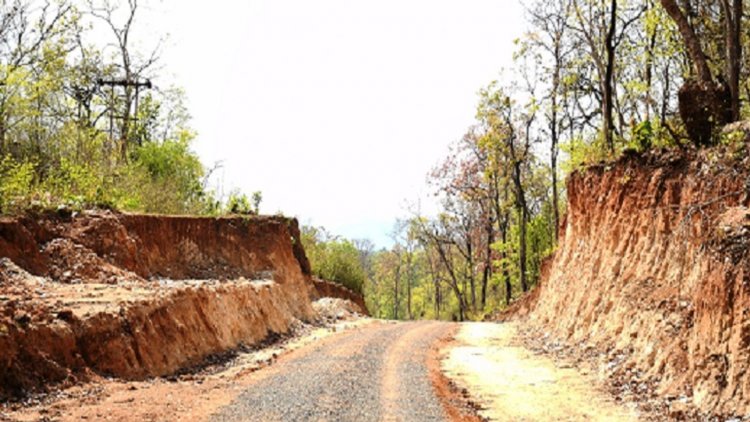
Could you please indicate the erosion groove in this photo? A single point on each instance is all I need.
(136, 296)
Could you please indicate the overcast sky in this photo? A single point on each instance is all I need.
(335, 109)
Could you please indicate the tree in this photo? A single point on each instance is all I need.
(333, 259)
(496, 111)
(733, 13)
(131, 68)
(437, 235)
(603, 29)
(707, 102)
(25, 28)
(551, 20)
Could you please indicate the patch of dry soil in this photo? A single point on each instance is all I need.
(511, 383)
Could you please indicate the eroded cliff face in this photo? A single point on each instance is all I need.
(135, 296)
(653, 269)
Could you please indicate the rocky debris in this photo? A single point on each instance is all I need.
(73, 263)
(334, 309)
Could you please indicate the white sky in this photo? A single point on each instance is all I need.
(335, 109)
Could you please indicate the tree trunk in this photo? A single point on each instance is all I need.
(408, 285)
(522, 210)
(487, 262)
(704, 104)
(733, 28)
(438, 298)
(504, 258)
(4, 150)
(665, 96)
(607, 87)
(692, 43)
(395, 289)
(650, 68)
(125, 127)
(454, 280)
(554, 149)
(472, 278)
(434, 274)
(522, 249)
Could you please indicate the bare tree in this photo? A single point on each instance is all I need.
(603, 29)
(551, 19)
(120, 20)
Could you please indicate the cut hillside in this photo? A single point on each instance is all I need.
(136, 296)
(652, 273)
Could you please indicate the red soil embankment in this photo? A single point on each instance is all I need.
(653, 270)
(325, 288)
(97, 292)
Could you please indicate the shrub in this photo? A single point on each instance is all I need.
(333, 259)
(171, 177)
(16, 184)
(238, 204)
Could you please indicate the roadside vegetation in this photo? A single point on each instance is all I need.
(334, 259)
(88, 120)
(591, 79)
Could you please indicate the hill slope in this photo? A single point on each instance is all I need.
(652, 270)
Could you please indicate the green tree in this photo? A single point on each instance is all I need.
(334, 259)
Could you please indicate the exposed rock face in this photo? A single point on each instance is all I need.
(97, 292)
(653, 268)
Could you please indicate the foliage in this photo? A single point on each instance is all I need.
(239, 203)
(581, 153)
(735, 143)
(333, 259)
(63, 138)
(16, 182)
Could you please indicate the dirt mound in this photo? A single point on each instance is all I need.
(73, 263)
(653, 272)
(334, 309)
(136, 296)
(329, 289)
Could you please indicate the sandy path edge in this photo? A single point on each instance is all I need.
(511, 383)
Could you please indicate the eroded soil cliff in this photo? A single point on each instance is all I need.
(652, 272)
(135, 296)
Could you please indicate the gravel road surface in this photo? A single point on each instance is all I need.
(374, 373)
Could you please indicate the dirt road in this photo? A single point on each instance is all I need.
(371, 374)
(513, 384)
(361, 371)
(381, 373)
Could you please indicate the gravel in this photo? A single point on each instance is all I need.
(345, 379)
